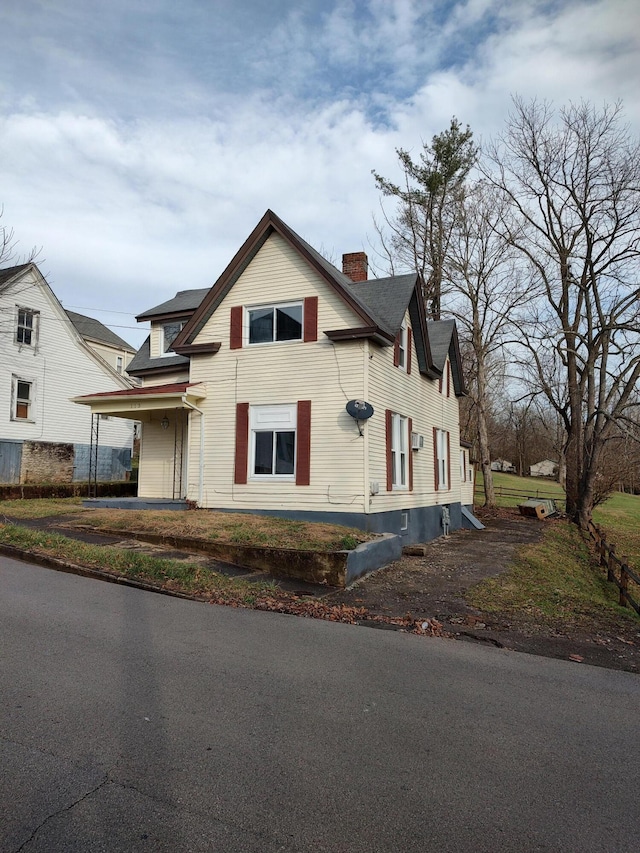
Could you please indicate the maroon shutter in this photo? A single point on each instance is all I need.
(409, 340)
(410, 456)
(440, 385)
(448, 379)
(448, 460)
(435, 459)
(235, 337)
(396, 352)
(310, 319)
(388, 437)
(303, 442)
(464, 466)
(242, 442)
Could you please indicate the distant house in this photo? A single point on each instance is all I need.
(109, 346)
(296, 389)
(44, 362)
(546, 468)
(503, 465)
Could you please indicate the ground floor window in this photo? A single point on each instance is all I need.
(22, 399)
(441, 453)
(273, 441)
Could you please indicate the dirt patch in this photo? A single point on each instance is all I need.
(434, 585)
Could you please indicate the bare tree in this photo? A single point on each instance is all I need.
(488, 289)
(417, 235)
(572, 180)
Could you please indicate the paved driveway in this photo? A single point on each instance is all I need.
(136, 722)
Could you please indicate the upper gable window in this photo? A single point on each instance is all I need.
(170, 332)
(271, 323)
(27, 327)
(402, 348)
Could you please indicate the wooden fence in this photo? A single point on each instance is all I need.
(610, 561)
(530, 494)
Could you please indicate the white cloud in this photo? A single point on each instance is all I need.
(131, 206)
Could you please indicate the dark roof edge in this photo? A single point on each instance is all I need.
(268, 224)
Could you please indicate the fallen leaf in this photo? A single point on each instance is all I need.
(576, 658)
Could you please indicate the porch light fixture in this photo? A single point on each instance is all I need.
(164, 423)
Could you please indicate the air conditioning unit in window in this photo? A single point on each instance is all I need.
(417, 441)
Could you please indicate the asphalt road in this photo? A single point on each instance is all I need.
(137, 722)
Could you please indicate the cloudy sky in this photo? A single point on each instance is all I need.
(142, 140)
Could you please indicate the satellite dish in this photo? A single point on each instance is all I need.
(359, 410)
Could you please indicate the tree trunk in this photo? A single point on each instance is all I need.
(483, 432)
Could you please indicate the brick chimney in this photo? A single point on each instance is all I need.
(356, 266)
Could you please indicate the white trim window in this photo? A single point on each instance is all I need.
(22, 399)
(463, 466)
(119, 364)
(267, 324)
(273, 442)
(442, 459)
(402, 347)
(27, 323)
(168, 333)
(399, 444)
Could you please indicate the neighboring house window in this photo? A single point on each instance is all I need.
(27, 327)
(463, 466)
(22, 400)
(270, 323)
(119, 363)
(441, 458)
(170, 332)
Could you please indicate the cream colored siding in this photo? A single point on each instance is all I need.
(416, 397)
(282, 373)
(156, 477)
(111, 354)
(166, 378)
(59, 366)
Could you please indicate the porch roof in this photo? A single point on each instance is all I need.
(138, 403)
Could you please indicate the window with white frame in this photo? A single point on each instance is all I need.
(21, 399)
(273, 442)
(402, 348)
(27, 322)
(442, 459)
(119, 363)
(399, 444)
(463, 466)
(169, 333)
(271, 323)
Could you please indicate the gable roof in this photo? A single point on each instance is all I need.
(10, 272)
(88, 327)
(268, 225)
(444, 342)
(142, 362)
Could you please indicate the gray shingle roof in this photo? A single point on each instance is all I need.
(386, 299)
(97, 331)
(440, 333)
(142, 361)
(184, 300)
(8, 272)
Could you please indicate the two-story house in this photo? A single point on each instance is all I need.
(44, 362)
(295, 389)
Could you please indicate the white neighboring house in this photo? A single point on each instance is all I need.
(503, 465)
(546, 468)
(44, 362)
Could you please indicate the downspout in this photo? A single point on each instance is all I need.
(201, 461)
(366, 495)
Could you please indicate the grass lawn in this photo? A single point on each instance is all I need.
(557, 578)
(238, 528)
